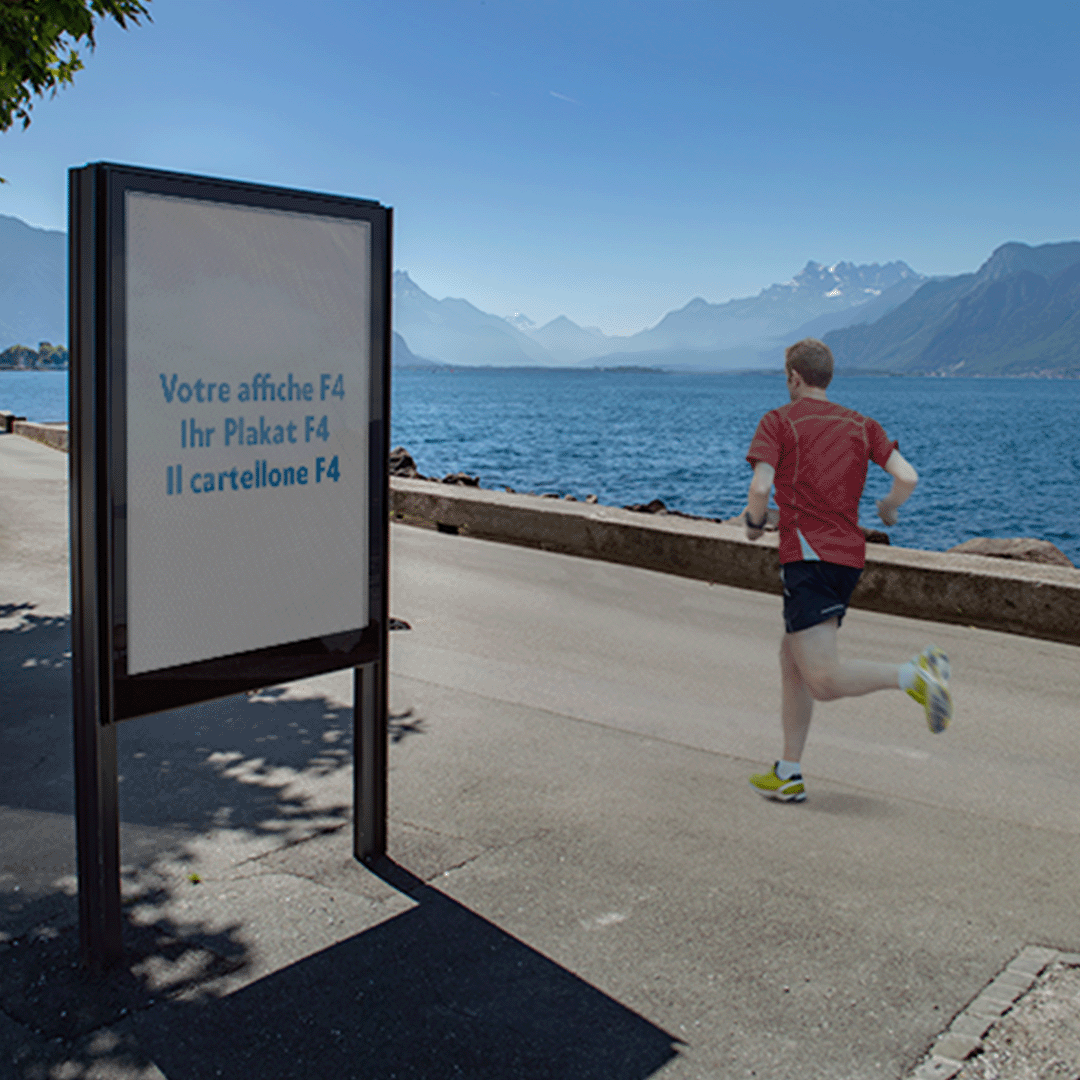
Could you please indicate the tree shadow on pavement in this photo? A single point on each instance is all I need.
(433, 991)
(267, 769)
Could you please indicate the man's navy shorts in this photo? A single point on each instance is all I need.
(815, 591)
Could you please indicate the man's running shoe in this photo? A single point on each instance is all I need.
(772, 787)
(935, 661)
(931, 688)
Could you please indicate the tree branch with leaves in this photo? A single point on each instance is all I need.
(37, 46)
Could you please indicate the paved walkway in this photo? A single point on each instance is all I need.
(582, 884)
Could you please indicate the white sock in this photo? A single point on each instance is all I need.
(907, 675)
(787, 769)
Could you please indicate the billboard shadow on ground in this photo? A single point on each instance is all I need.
(436, 991)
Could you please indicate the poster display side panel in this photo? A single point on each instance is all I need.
(247, 386)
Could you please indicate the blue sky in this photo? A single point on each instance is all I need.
(607, 161)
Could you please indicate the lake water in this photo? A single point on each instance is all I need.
(996, 457)
(37, 395)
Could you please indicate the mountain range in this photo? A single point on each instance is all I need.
(456, 332)
(746, 332)
(1018, 314)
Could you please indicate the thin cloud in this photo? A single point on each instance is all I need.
(562, 97)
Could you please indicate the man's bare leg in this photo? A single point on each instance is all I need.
(797, 703)
(811, 670)
(826, 676)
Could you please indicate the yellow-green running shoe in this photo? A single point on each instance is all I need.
(935, 661)
(772, 787)
(931, 688)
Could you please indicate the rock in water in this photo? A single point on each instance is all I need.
(1023, 548)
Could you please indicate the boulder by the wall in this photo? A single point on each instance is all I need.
(1023, 548)
(655, 507)
(402, 464)
(875, 536)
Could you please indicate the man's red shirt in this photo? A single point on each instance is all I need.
(820, 451)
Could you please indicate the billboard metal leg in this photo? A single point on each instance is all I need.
(369, 762)
(97, 828)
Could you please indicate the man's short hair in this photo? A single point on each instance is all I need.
(812, 359)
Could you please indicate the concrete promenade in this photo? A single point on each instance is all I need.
(581, 882)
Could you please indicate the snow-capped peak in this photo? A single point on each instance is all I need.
(521, 322)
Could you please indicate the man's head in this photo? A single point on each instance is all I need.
(812, 361)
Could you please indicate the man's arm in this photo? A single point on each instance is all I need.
(904, 480)
(757, 501)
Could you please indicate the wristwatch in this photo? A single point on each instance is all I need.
(761, 525)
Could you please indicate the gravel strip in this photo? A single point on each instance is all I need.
(1024, 1026)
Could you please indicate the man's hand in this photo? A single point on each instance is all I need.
(752, 531)
(889, 514)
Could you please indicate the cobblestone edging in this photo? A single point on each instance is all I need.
(965, 1035)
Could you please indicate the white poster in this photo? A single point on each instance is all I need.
(248, 357)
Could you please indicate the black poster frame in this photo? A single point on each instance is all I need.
(104, 693)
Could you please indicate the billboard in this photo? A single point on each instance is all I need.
(229, 433)
(247, 398)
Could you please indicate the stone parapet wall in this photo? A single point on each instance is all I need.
(995, 594)
(54, 435)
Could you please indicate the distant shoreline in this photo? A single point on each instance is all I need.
(36, 370)
(762, 372)
(631, 369)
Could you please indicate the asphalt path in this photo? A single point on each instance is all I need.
(581, 882)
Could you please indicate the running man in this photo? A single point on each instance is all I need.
(817, 453)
